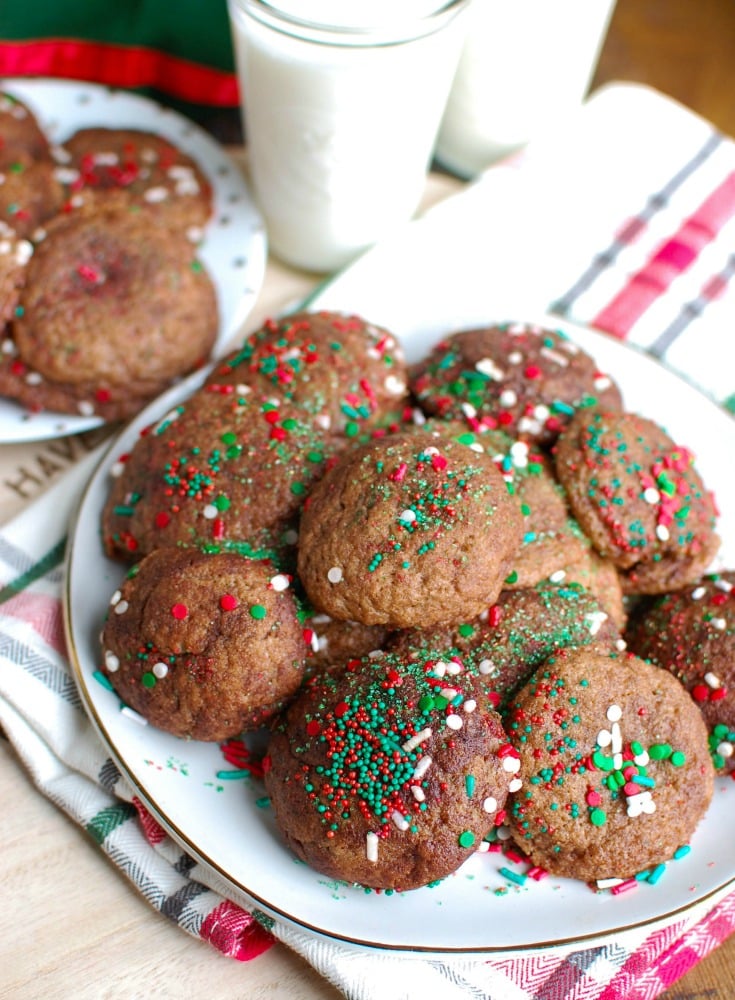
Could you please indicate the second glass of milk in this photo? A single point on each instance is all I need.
(525, 65)
(342, 101)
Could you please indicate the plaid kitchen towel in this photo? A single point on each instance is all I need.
(628, 222)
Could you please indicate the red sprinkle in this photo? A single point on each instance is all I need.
(228, 602)
(161, 519)
(180, 611)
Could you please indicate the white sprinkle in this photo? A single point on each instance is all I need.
(527, 425)
(617, 761)
(596, 620)
(490, 804)
(723, 585)
(160, 669)
(121, 607)
(415, 741)
(662, 533)
(483, 847)
(476, 447)
(8, 347)
(194, 234)
(541, 412)
(111, 661)
(602, 382)
(323, 420)
(642, 758)
(713, 680)
(210, 512)
(486, 666)
(558, 575)
(117, 469)
(698, 594)
(439, 669)
(608, 883)
(130, 714)
(554, 356)
(454, 722)
(725, 749)
(469, 410)
(617, 739)
(488, 367)
(155, 195)
(394, 386)
(291, 536)
(335, 575)
(418, 417)
(620, 645)
(614, 713)
(651, 495)
(508, 398)
(515, 784)
(399, 820)
(243, 390)
(85, 408)
(511, 764)
(34, 378)
(422, 767)
(515, 357)
(371, 846)
(719, 623)
(454, 667)
(448, 693)
(115, 597)
(604, 738)
(431, 450)
(470, 705)
(280, 582)
(503, 833)
(418, 793)
(408, 516)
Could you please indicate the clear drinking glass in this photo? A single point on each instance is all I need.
(341, 103)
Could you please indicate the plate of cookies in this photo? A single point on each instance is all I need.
(420, 634)
(131, 252)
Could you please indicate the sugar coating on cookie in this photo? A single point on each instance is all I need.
(203, 645)
(691, 632)
(408, 530)
(639, 498)
(387, 775)
(520, 377)
(617, 771)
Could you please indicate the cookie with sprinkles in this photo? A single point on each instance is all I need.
(505, 644)
(15, 252)
(519, 377)
(639, 498)
(203, 646)
(21, 135)
(408, 530)
(334, 642)
(30, 195)
(691, 632)
(220, 469)
(617, 770)
(112, 312)
(348, 373)
(387, 775)
(149, 170)
(583, 565)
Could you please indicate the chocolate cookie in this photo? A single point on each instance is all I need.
(112, 311)
(387, 776)
(520, 377)
(617, 772)
(691, 632)
(21, 136)
(217, 470)
(639, 498)
(151, 171)
(502, 647)
(203, 646)
(349, 374)
(408, 530)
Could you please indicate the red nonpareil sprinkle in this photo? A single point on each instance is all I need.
(180, 611)
(161, 519)
(218, 529)
(533, 371)
(88, 273)
(313, 728)
(341, 709)
(494, 615)
(398, 474)
(228, 602)
(102, 395)
(17, 367)
(700, 692)
(438, 462)
(505, 418)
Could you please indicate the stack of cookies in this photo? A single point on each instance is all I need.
(103, 300)
(479, 551)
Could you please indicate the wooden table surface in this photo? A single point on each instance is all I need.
(70, 925)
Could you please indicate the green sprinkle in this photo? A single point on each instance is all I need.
(678, 758)
(469, 784)
(512, 578)
(232, 775)
(257, 611)
(513, 876)
(598, 817)
(148, 679)
(103, 680)
(466, 838)
(659, 751)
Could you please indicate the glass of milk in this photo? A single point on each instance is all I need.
(524, 65)
(341, 101)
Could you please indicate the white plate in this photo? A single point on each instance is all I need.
(234, 244)
(477, 910)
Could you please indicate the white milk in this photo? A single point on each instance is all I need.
(525, 63)
(340, 130)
